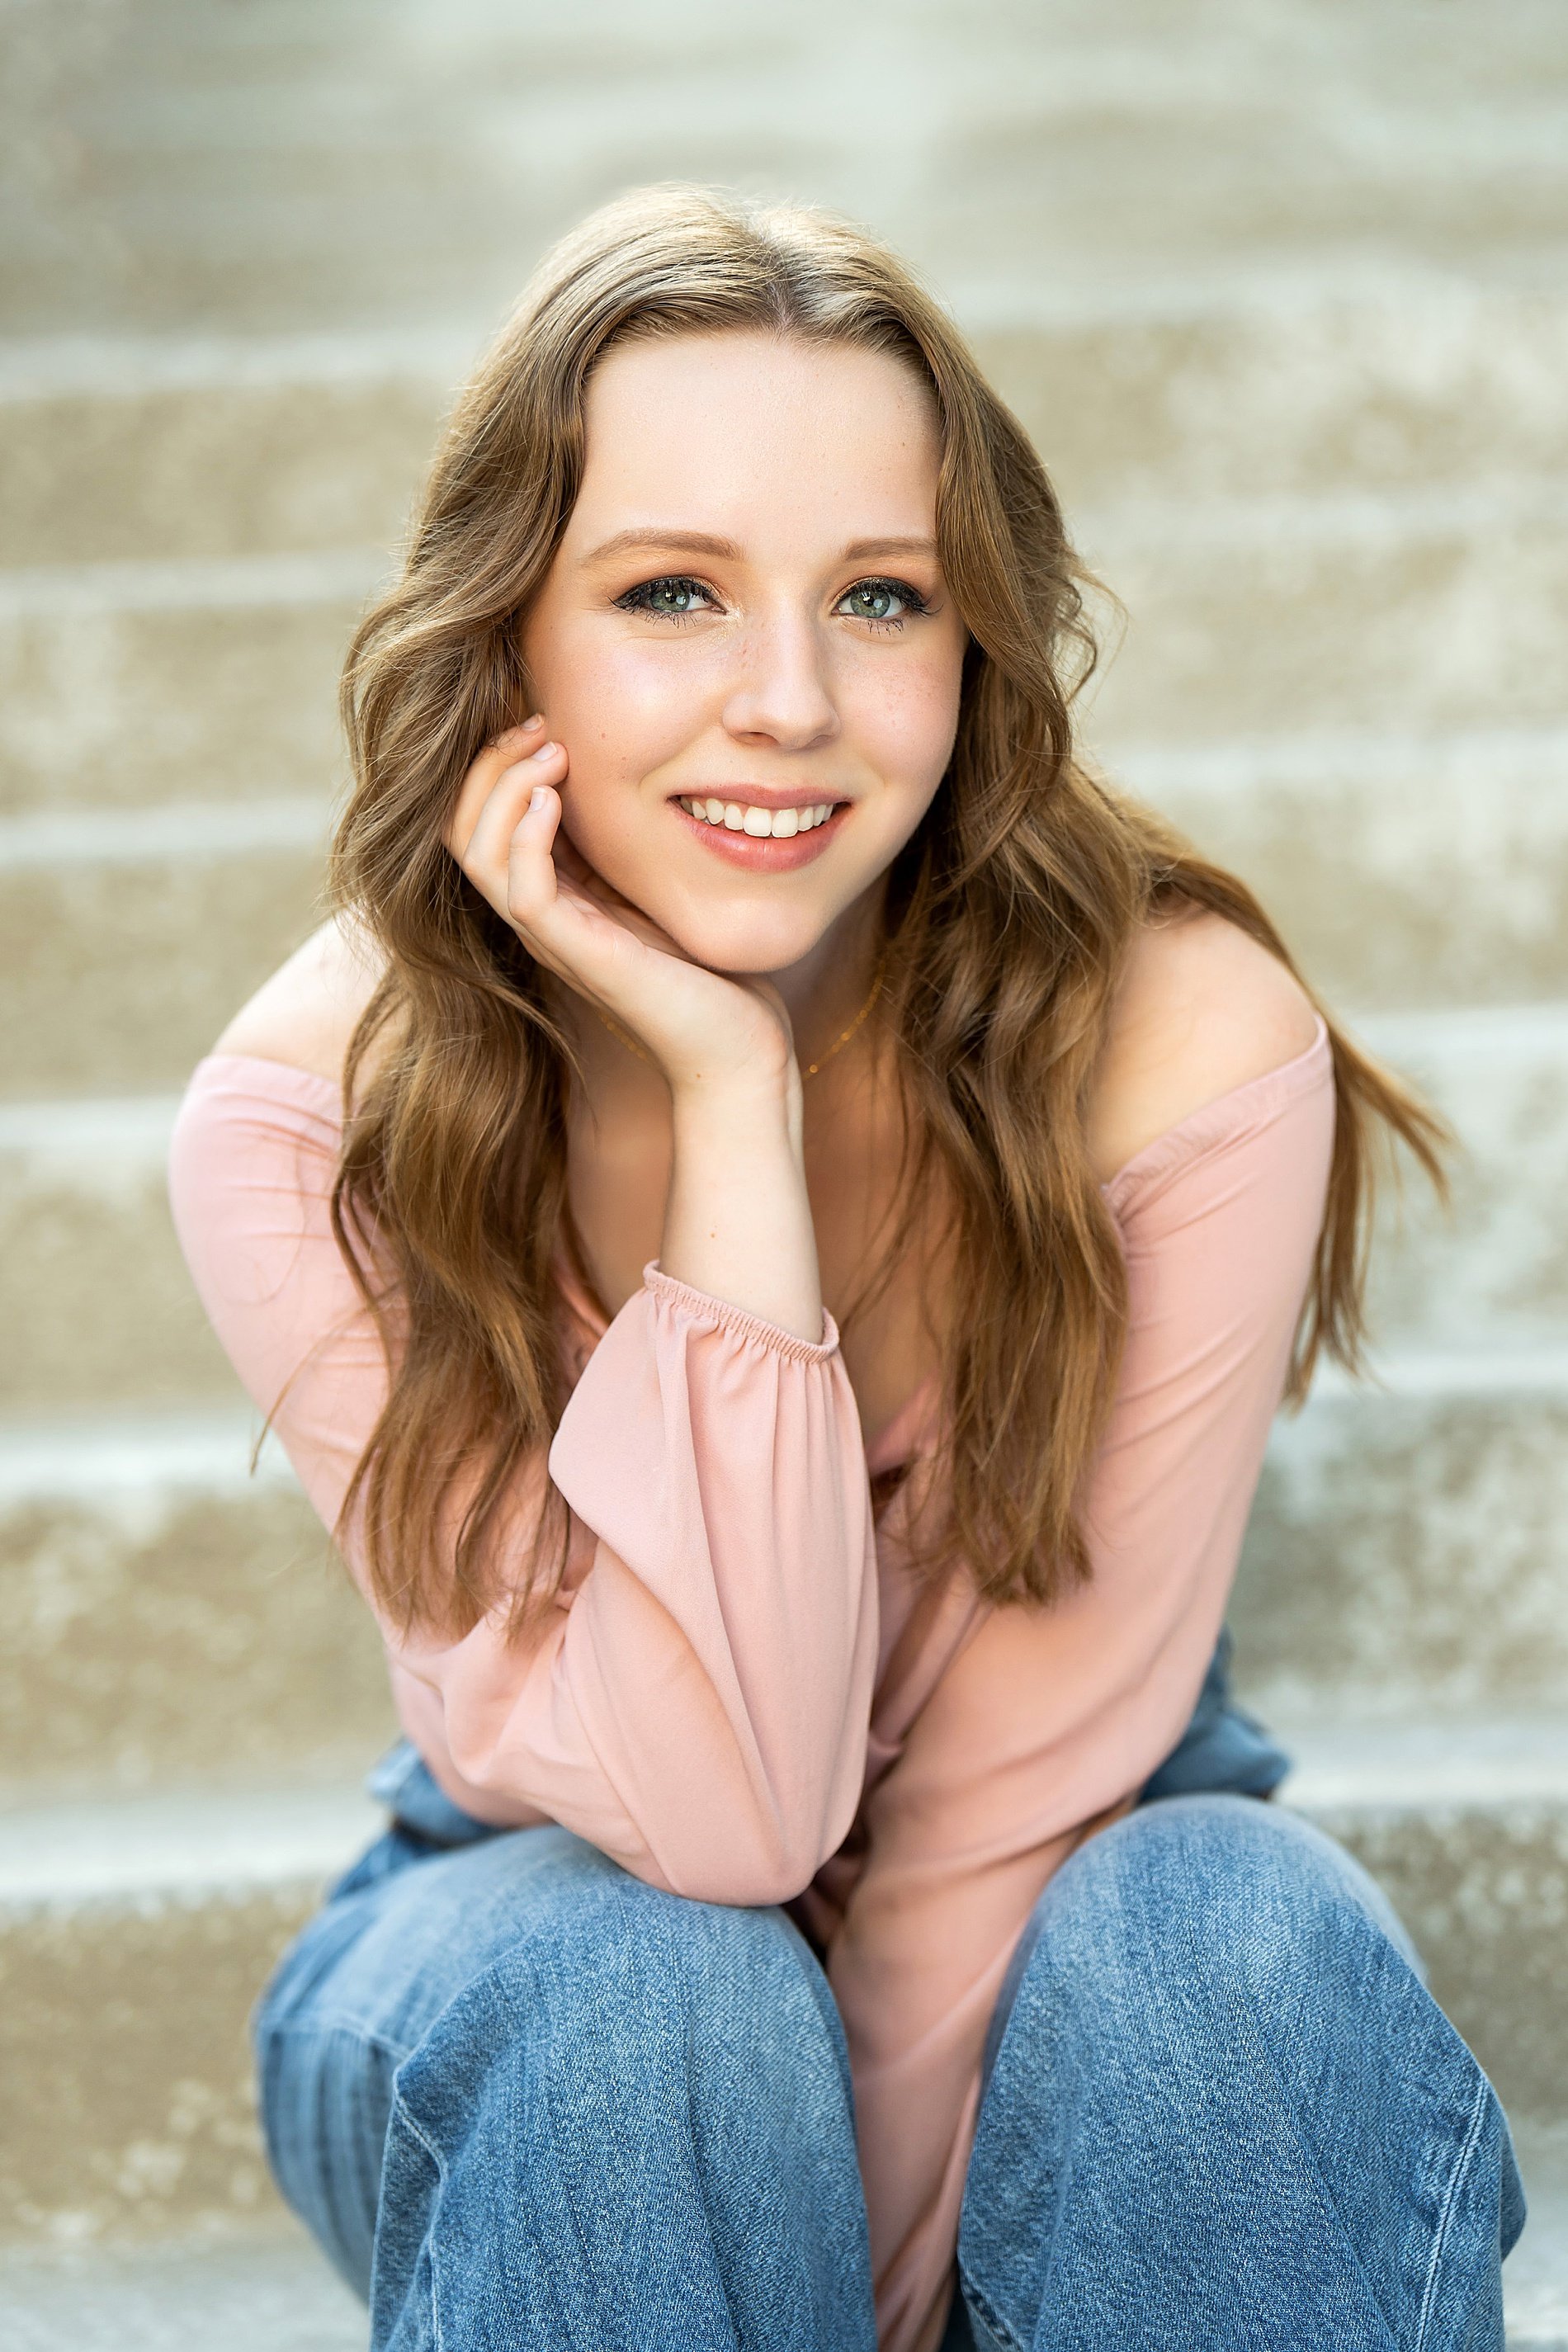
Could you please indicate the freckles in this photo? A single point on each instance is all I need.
(904, 719)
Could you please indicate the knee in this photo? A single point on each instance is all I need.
(1206, 1904)
(599, 1982)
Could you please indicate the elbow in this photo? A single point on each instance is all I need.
(756, 1860)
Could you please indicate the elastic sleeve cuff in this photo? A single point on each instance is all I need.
(703, 1307)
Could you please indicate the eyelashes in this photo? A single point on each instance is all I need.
(676, 597)
(662, 598)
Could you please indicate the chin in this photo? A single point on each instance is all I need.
(746, 937)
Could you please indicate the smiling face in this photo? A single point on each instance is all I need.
(744, 640)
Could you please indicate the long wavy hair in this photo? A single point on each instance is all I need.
(1009, 916)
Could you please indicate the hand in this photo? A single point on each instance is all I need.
(698, 1027)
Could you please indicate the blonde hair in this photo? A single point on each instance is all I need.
(1010, 913)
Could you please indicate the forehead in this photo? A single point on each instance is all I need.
(730, 432)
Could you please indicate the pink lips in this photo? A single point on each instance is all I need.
(760, 853)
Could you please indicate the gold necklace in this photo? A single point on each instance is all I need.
(811, 1068)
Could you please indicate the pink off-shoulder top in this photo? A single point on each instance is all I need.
(743, 1695)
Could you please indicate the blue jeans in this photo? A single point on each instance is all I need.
(525, 2100)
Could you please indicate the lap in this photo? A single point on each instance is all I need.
(425, 1966)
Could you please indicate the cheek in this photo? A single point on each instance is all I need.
(904, 715)
(621, 708)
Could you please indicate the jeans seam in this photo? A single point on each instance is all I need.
(401, 2111)
(981, 2304)
(1450, 2200)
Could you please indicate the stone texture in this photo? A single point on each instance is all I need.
(120, 974)
(1483, 1890)
(1259, 618)
(93, 1291)
(173, 1621)
(268, 2290)
(1409, 1551)
(1401, 870)
(134, 455)
(114, 450)
(171, 164)
(156, 684)
(129, 2105)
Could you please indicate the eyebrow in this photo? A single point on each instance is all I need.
(864, 551)
(703, 542)
(686, 542)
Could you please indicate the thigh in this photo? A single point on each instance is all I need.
(375, 2000)
(396, 1941)
(1221, 2107)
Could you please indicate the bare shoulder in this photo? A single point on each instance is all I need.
(1201, 1008)
(306, 1013)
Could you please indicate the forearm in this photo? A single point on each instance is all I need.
(738, 1221)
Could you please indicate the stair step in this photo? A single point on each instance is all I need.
(272, 2291)
(119, 449)
(130, 936)
(94, 1295)
(1251, 618)
(125, 449)
(1439, 609)
(1535, 2276)
(135, 685)
(1408, 1544)
(99, 1310)
(346, 165)
(134, 1940)
(269, 2289)
(165, 1914)
(171, 1618)
(1466, 1828)
(1361, 847)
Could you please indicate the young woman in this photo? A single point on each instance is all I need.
(774, 1225)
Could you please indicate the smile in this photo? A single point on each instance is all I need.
(762, 823)
(761, 840)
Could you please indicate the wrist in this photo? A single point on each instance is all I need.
(762, 1084)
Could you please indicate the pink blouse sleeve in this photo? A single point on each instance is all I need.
(698, 1707)
(1045, 1723)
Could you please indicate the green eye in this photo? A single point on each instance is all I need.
(671, 598)
(889, 602)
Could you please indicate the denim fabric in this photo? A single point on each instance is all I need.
(523, 2099)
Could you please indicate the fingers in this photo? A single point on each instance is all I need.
(484, 857)
(517, 744)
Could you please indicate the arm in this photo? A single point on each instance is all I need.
(1046, 1724)
(697, 1707)
(738, 1219)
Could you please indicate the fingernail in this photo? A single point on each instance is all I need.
(537, 720)
(536, 800)
(543, 752)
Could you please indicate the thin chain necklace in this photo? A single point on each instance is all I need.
(811, 1068)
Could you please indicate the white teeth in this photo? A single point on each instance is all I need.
(739, 816)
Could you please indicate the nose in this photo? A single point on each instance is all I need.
(781, 696)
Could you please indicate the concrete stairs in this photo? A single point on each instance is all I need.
(1281, 293)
